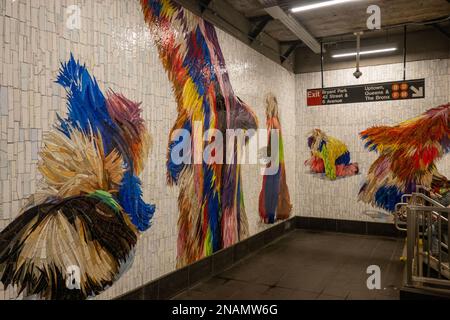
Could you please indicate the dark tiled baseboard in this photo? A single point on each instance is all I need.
(347, 226)
(171, 284)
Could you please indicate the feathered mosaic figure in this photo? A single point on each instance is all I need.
(274, 200)
(211, 203)
(90, 211)
(330, 156)
(407, 156)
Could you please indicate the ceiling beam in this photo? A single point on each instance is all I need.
(204, 4)
(269, 3)
(258, 19)
(227, 18)
(259, 28)
(296, 28)
(289, 43)
(289, 51)
(441, 30)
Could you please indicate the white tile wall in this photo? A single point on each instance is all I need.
(117, 48)
(338, 199)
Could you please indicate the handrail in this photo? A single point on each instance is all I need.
(397, 208)
(421, 195)
(429, 209)
(405, 203)
(425, 242)
(404, 197)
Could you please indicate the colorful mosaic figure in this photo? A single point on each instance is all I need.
(274, 200)
(329, 156)
(407, 156)
(211, 201)
(77, 234)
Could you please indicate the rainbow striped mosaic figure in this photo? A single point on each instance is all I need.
(211, 202)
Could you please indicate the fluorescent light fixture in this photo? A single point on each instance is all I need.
(319, 5)
(353, 54)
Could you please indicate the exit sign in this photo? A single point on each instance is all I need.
(375, 92)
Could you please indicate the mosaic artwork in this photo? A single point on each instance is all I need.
(211, 203)
(407, 157)
(329, 156)
(84, 222)
(274, 200)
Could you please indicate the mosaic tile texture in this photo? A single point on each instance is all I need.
(80, 229)
(211, 200)
(117, 47)
(338, 199)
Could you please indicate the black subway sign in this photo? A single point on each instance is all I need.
(375, 92)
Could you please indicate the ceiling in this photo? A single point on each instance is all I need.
(333, 26)
(344, 19)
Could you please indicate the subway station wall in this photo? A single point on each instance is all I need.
(118, 49)
(338, 199)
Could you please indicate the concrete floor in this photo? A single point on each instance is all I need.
(306, 265)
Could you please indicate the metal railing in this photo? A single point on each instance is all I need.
(428, 233)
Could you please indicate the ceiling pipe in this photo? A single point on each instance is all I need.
(405, 31)
(321, 65)
(358, 73)
(342, 36)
